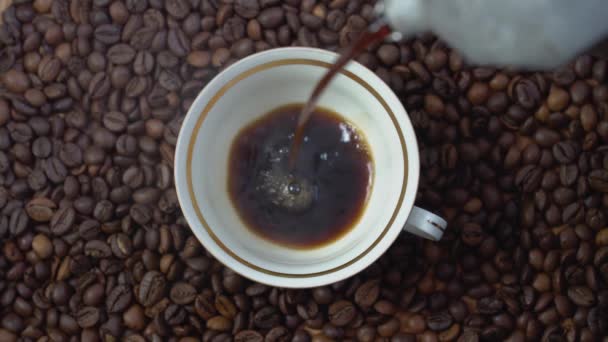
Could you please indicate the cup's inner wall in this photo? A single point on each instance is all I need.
(255, 96)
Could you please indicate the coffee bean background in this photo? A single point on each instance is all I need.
(94, 247)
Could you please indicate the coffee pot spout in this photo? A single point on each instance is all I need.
(534, 34)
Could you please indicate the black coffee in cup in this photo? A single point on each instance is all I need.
(316, 200)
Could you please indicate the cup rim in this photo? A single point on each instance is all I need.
(402, 208)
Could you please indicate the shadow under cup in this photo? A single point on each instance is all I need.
(247, 94)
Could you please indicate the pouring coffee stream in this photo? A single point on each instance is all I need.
(367, 38)
(289, 190)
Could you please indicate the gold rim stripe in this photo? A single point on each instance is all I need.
(221, 93)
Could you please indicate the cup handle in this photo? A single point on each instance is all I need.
(425, 224)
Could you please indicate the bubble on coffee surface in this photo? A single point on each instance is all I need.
(284, 189)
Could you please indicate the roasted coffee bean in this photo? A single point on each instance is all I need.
(204, 306)
(119, 299)
(140, 213)
(220, 57)
(199, 59)
(182, 293)
(341, 313)
(49, 68)
(234, 29)
(97, 249)
(71, 155)
(93, 295)
(115, 121)
(568, 174)
(598, 180)
(225, 307)
(143, 63)
(527, 93)
(121, 54)
(565, 152)
(367, 294)
(62, 220)
(528, 178)
(558, 99)
(20, 132)
(178, 42)
(169, 80)
(174, 314)
(471, 234)
(87, 317)
(266, 318)
(142, 38)
(278, 334)
(108, 33)
(41, 148)
(248, 336)
(581, 296)
(439, 321)
(18, 221)
(546, 137)
(40, 209)
(151, 288)
(16, 81)
(271, 17)
(136, 87)
(134, 317)
(247, 8)
(490, 305)
(177, 8)
(219, 323)
(5, 163)
(99, 86)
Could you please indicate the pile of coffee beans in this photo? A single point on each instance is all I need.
(94, 247)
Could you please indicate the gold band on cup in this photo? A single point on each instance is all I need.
(216, 98)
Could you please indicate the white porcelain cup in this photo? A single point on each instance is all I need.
(253, 87)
